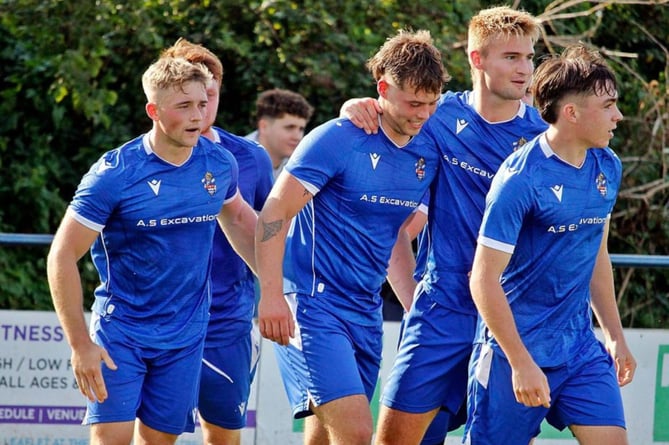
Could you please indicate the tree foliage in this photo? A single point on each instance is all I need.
(70, 89)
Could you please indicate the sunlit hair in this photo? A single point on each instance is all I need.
(410, 59)
(196, 53)
(577, 71)
(172, 73)
(500, 22)
(277, 102)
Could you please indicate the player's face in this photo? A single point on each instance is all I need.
(281, 135)
(507, 66)
(599, 116)
(181, 113)
(405, 111)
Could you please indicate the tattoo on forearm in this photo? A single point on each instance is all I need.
(306, 192)
(270, 229)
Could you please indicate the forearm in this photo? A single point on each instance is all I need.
(275, 318)
(287, 198)
(605, 308)
(495, 311)
(401, 267)
(240, 231)
(493, 306)
(270, 238)
(67, 296)
(603, 300)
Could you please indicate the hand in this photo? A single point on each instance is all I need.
(625, 362)
(88, 371)
(363, 112)
(275, 319)
(530, 386)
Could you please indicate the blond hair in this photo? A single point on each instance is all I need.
(196, 53)
(500, 22)
(172, 73)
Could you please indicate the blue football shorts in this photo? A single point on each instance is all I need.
(584, 391)
(329, 358)
(158, 386)
(227, 373)
(431, 367)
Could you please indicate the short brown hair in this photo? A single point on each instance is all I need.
(276, 102)
(577, 71)
(410, 59)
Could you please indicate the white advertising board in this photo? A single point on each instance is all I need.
(39, 404)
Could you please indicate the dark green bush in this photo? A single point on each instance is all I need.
(70, 89)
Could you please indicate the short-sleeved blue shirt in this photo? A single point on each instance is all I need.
(156, 222)
(550, 215)
(233, 288)
(364, 187)
(472, 149)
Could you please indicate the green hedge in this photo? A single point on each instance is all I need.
(70, 90)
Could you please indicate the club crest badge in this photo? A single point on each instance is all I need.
(209, 183)
(519, 143)
(601, 184)
(420, 169)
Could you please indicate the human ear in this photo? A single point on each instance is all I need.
(570, 111)
(152, 111)
(475, 59)
(382, 87)
(262, 125)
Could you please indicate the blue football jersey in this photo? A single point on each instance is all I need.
(233, 285)
(472, 149)
(364, 188)
(156, 223)
(550, 215)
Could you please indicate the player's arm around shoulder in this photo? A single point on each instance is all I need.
(363, 112)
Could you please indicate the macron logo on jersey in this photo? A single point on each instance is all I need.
(557, 191)
(460, 125)
(155, 186)
(375, 159)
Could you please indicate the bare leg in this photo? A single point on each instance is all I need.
(401, 428)
(314, 432)
(145, 435)
(597, 435)
(112, 433)
(347, 421)
(216, 435)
